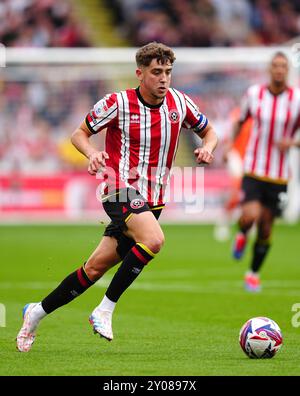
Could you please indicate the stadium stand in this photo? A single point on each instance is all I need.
(40, 23)
(39, 106)
(42, 103)
(44, 118)
(206, 23)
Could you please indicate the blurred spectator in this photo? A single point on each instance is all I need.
(45, 111)
(39, 23)
(37, 119)
(40, 152)
(205, 23)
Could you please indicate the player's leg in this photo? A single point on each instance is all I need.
(260, 249)
(251, 211)
(138, 245)
(262, 243)
(145, 230)
(103, 258)
(274, 200)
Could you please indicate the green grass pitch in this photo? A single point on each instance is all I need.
(181, 317)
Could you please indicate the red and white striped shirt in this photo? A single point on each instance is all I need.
(142, 139)
(275, 117)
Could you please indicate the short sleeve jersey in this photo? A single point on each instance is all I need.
(142, 139)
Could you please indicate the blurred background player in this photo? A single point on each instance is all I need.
(275, 111)
(234, 154)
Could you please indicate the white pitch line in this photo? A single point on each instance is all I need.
(214, 287)
(222, 287)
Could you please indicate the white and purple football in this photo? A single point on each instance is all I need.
(260, 338)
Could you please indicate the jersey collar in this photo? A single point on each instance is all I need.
(286, 89)
(137, 90)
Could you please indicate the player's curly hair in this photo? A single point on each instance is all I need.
(154, 50)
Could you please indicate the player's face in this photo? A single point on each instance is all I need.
(154, 80)
(279, 70)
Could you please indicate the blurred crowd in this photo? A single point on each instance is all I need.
(205, 23)
(40, 23)
(36, 123)
(200, 23)
(38, 114)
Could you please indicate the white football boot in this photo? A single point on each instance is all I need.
(27, 334)
(101, 322)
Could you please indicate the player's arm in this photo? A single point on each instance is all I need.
(197, 122)
(237, 127)
(81, 140)
(228, 144)
(244, 115)
(102, 115)
(291, 141)
(287, 143)
(204, 154)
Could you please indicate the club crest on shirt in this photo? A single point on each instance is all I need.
(134, 118)
(137, 203)
(174, 116)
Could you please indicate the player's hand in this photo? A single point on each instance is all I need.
(203, 156)
(284, 144)
(97, 161)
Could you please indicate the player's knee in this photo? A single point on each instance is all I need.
(248, 219)
(155, 243)
(94, 269)
(92, 273)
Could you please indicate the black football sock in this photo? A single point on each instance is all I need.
(132, 265)
(260, 250)
(71, 287)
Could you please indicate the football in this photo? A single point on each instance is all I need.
(260, 338)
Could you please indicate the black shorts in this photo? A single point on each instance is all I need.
(120, 206)
(270, 195)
